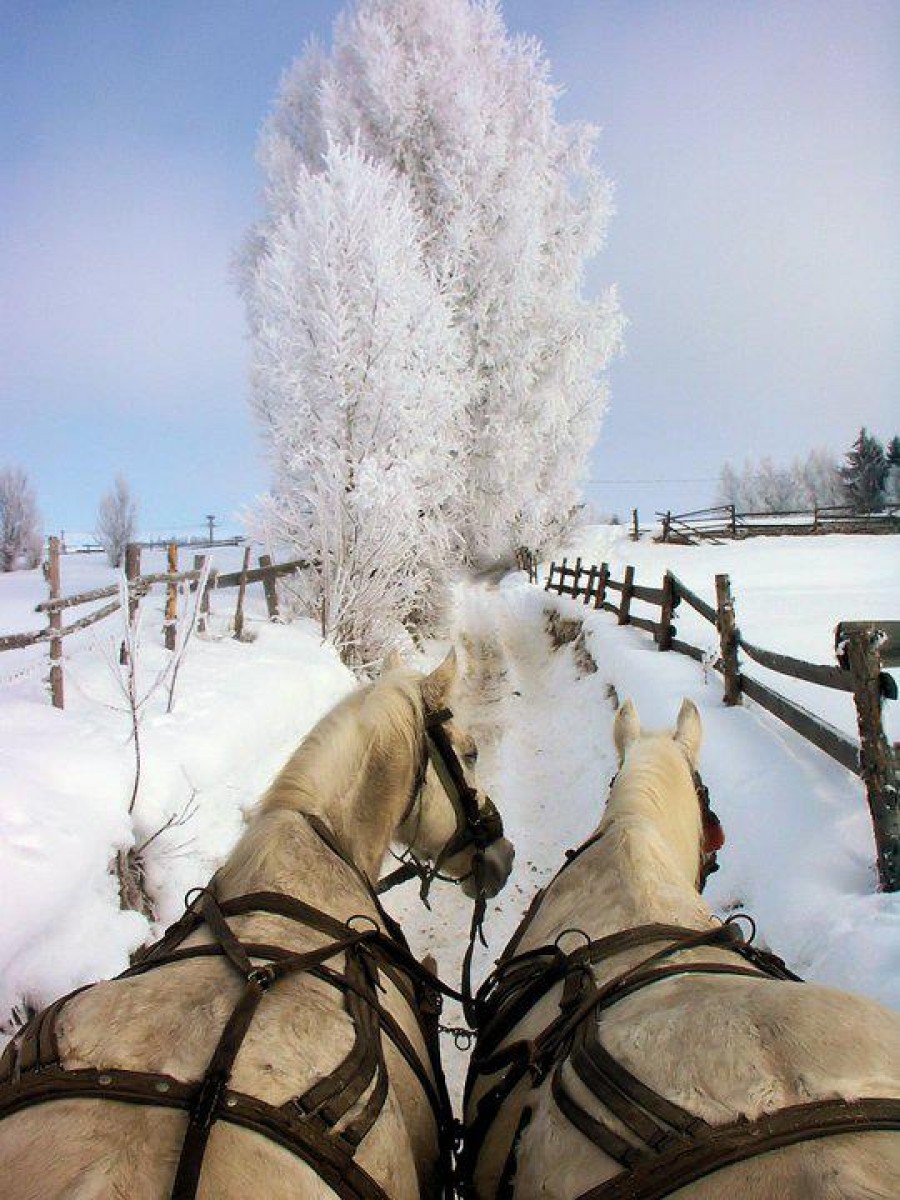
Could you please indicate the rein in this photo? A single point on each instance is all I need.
(475, 827)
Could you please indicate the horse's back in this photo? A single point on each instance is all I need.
(168, 1022)
(722, 1047)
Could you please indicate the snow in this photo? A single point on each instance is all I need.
(798, 855)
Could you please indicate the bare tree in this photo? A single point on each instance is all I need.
(21, 536)
(116, 521)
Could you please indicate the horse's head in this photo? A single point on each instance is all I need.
(451, 824)
(674, 755)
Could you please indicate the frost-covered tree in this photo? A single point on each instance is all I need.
(356, 384)
(820, 480)
(775, 487)
(864, 473)
(765, 487)
(21, 536)
(511, 205)
(730, 489)
(116, 521)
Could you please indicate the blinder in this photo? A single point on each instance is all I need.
(476, 827)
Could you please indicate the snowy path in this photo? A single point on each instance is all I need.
(522, 703)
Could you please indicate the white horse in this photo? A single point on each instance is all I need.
(302, 1016)
(671, 1059)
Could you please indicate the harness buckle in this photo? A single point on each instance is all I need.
(264, 976)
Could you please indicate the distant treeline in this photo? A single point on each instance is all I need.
(866, 481)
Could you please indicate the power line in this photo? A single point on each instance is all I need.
(707, 480)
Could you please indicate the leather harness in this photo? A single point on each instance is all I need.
(659, 1146)
(31, 1072)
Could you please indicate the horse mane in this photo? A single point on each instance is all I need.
(365, 726)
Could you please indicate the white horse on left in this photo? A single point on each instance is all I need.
(273, 1043)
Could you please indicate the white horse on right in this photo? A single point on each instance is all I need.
(632, 1047)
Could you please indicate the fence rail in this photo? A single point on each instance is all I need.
(137, 587)
(863, 648)
(725, 522)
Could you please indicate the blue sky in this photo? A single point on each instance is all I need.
(755, 152)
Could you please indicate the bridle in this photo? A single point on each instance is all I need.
(476, 827)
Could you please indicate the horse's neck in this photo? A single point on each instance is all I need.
(630, 875)
(632, 878)
(359, 810)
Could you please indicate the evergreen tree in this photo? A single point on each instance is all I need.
(864, 473)
(892, 479)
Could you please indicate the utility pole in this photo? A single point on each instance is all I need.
(211, 520)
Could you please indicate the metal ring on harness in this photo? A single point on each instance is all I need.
(571, 929)
(375, 927)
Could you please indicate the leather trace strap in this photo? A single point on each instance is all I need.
(316, 1125)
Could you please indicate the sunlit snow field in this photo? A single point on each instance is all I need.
(799, 849)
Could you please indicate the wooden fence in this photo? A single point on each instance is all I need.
(138, 586)
(724, 522)
(862, 648)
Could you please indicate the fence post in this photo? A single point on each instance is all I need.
(170, 625)
(664, 636)
(733, 520)
(132, 574)
(199, 560)
(728, 640)
(270, 588)
(601, 585)
(877, 765)
(55, 622)
(549, 584)
(667, 522)
(592, 575)
(635, 527)
(577, 578)
(625, 604)
(242, 587)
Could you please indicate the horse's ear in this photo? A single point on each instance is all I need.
(436, 686)
(392, 662)
(626, 728)
(689, 730)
